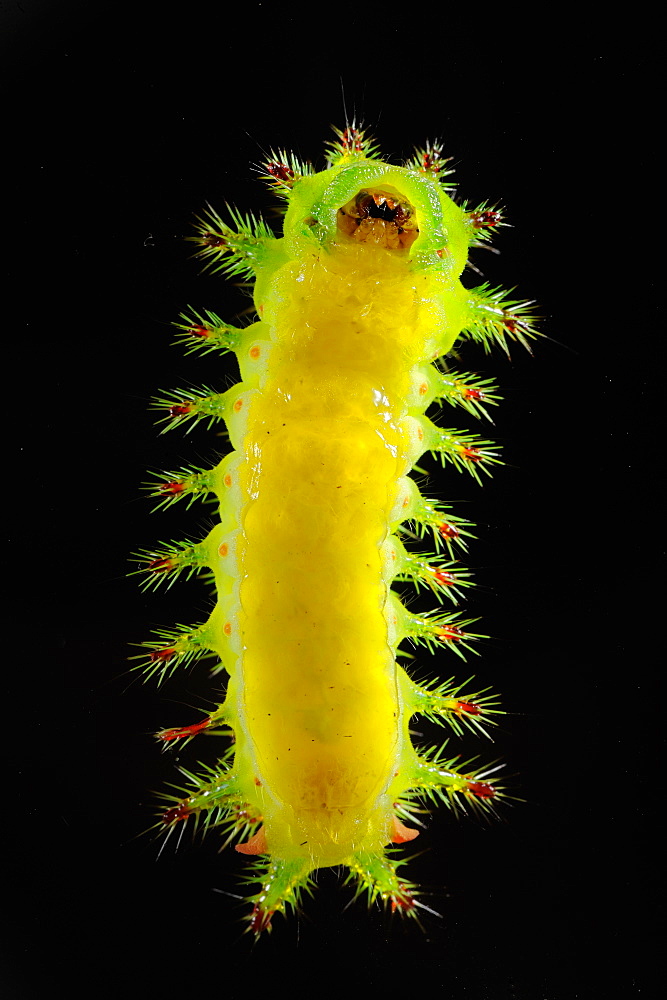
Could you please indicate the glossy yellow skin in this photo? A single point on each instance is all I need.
(316, 697)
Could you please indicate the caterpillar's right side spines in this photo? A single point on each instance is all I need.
(429, 160)
(376, 877)
(494, 320)
(452, 704)
(443, 577)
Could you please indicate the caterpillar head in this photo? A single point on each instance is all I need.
(380, 207)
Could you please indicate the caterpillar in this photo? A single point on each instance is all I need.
(357, 304)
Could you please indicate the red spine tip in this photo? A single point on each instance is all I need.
(281, 171)
(448, 530)
(468, 707)
(482, 789)
(175, 487)
(179, 733)
(470, 393)
(164, 565)
(486, 219)
(180, 409)
(176, 813)
(352, 140)
(213, 240)
(162, 655)
(450, 633)
(513, 324)
(402, 899)
(260, 920)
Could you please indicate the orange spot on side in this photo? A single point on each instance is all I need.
(227, 480)
(223, 549)
(238, 404)
(423, 389)
(406, 501)
(227, 628)
(256, 844)
(255, 352)
(401, 834)
(420, 433)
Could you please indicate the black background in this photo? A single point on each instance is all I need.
(120, 123)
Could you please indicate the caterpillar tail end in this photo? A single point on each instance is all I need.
(377, 877)
(282, 886)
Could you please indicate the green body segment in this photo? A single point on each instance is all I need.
(355, 301)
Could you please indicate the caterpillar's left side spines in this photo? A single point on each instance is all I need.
(188, 483)
(214, 723)
(232, 251)
(163, 565)
(173, 649)
(283, 883)
(191, 406)
(213, 798)
(282, 170)
(206, 332)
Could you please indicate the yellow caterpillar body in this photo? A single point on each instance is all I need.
(355, 301)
